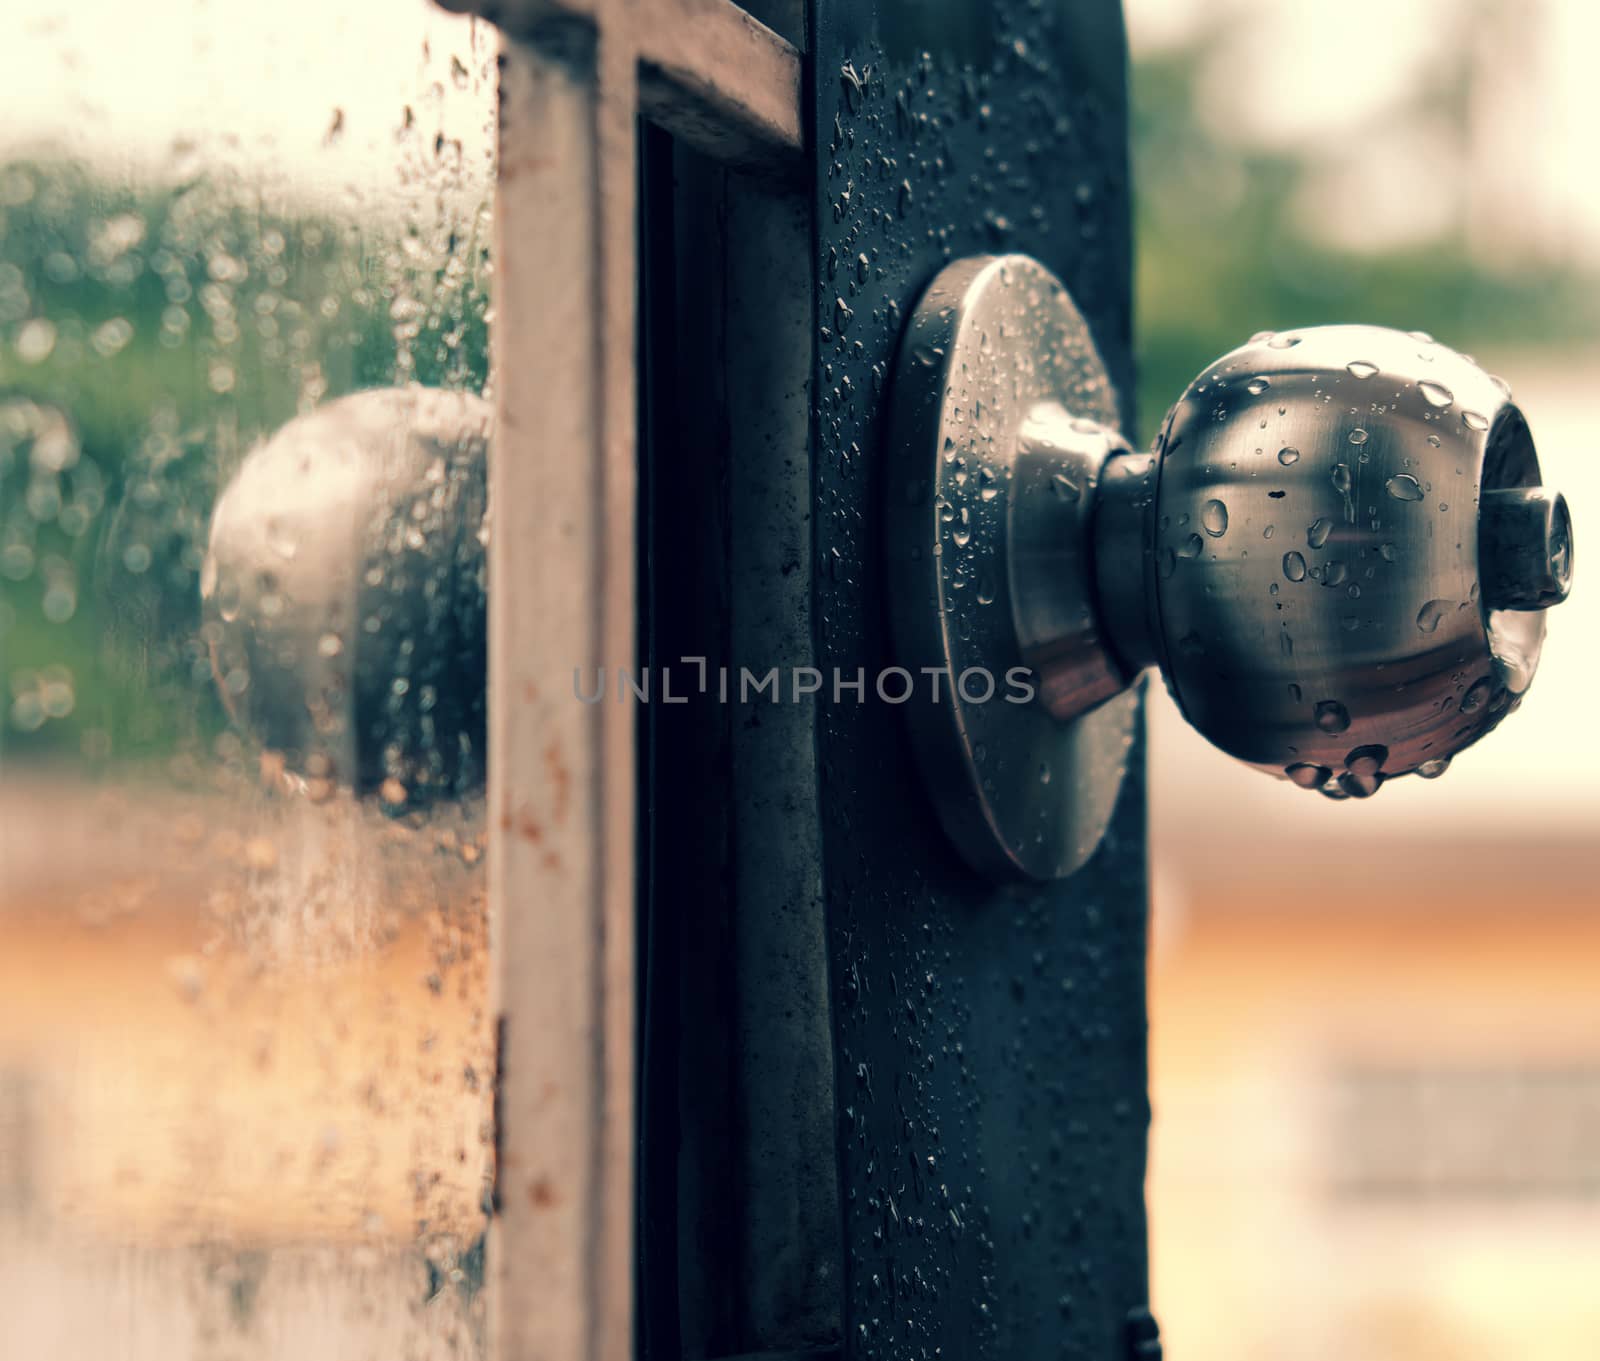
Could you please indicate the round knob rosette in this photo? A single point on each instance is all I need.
(1349, 552)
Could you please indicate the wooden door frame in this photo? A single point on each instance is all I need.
(575, 77)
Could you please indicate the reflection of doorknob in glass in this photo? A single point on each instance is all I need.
(343, 592)
(1337, 552)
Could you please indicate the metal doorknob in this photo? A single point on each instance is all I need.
(1337, 552)
(343, 593)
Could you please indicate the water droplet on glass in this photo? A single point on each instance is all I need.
(1437, 394)
(1404, 487)
(1214, 517)
(1288, 456)
(35, 340)
(1294, 567)
(1332, 716)
(60, 602)
(1429, 615)
(1359, 368)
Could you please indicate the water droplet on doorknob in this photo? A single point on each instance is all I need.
(1360, 786)
(1214, 518)
(1332, 716)
(1477, 695)
(1366, 760)
(1307, 775)
(1191, 547)
(1256, 386)
(1429, 615)
(1358, 436)
(1473, 421)
(1436, 394)
(1288, 456)
(1359, 368)
(1294, 567)
(1317, 534)
(1404, 487)
(1432, 770)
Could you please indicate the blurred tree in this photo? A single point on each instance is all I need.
(1223, 248)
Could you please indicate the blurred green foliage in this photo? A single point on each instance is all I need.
(1222, 252)
(149, 335)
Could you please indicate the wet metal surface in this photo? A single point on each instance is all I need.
(1002, 419)
(989, 1042)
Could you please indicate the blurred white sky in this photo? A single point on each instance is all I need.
(1333, 79)
(303, 97)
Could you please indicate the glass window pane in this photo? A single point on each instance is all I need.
(245, 1049)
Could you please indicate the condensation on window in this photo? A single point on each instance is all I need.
(245, 1049)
